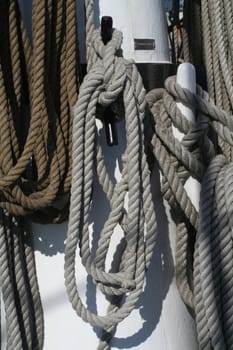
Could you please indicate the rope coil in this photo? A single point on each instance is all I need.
(40, 83)
(110, 77)
(38, 86)
(213, 269)
(37, 172)
(203, 239)
(217, 25)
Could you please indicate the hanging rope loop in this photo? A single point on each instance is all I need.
(203, 238)
(178, 160)
(39, 83)
(110, 77)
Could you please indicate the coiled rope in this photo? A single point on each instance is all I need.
(177, 161)
(213, 263)
(204, 239)
(42, 83)
(204, 246)
(38, 86)
(38, 171)
(217, 26)
(109, 77)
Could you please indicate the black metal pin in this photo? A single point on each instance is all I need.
(108, 115)
(106, 29)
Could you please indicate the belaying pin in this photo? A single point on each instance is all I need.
(106, 29)
(108, 115)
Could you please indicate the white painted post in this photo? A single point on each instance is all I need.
(140, 19)
(186, 78)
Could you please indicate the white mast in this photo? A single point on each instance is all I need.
(161, 321)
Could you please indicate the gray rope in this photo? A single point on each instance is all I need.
(14, 340)
(20, 284)
(217, 25)
(177, 161)
(30, 156)
(24, 316)
(89, 31)
(33, 293)
(205, 284)
(110, 77)
(213, 247)
(213, 269)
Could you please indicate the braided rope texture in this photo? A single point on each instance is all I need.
(39, 84)
(203, 239)
(109, 78)
(19, 286)
(177, 160)
(213, 264)
(38, 87)
(217, 27)
(203, 242)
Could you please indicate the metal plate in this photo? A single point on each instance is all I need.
(144, 44)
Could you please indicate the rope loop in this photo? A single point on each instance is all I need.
(110, 77)
(111, 48)
(178, 160)
(110, 65)
(197, 232)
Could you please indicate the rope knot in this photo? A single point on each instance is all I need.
(112, 47)
(112, 64)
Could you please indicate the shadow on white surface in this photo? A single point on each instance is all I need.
(153, 323)
(49, 240)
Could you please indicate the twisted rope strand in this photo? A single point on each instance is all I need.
(38, 87)
(216, 27)
(206, 283)
(108, 78)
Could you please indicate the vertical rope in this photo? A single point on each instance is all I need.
(216, 27)
(89, 31)
(38, 87)
(108, 78)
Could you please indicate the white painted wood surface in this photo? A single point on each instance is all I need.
(186, 78)
(139, 19)
(160, 319)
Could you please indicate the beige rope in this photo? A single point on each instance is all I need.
(38, 88)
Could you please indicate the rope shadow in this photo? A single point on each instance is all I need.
(161, 270)
(49, 239)
(101, 207)
(158, 279)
